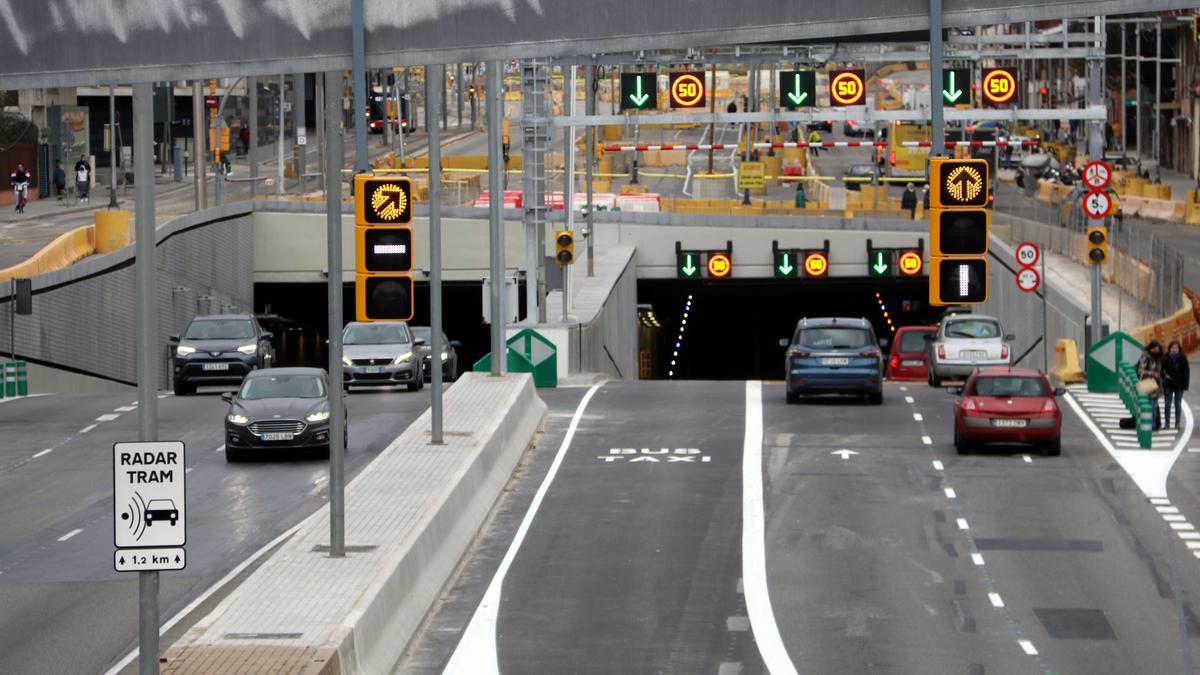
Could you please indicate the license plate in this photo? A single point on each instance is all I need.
(912, 362)
(835, 362)
(216, 366)
(1009, 423)
(373, 370)
(972, 355)
(278, 436)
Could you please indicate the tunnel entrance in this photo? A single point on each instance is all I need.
(297, 313)
(731, 329)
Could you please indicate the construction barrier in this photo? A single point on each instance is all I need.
(15, 381)
(68, 249)
(1066, 362)
(111, 231)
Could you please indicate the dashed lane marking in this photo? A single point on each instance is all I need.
(1167, 509)
(70, 534)
(937, 464)
(908, 399)
(87, 428)
(1028, 647)
(107, 418)
(917, 417)
(977, 558)
(950, 494)
(126, 408)
(996, 600)
(962, 524)
(1027, 458)
(43, 453)
(927, 440)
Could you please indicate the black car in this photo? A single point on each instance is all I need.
(450, 347)
(220, 349)
(278, 409)
(860, 173)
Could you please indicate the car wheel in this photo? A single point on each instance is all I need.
(183, 389)
(962, 445)
(793, 397)
(233, 455)
(934, 380)
(414, 386)
(875, 398)
(1053, 448)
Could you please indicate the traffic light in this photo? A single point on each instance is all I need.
(958, 231)
(564, 247)
(383, 255)
(1097, 243)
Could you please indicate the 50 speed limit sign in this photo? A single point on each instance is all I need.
(1028, 254)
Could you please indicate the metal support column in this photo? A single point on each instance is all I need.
(333, 231)
(279, 138)
(458, 83)
(319, 108)
(568, 183)
(146, 272)
(935, 79)
(495, 112)
(359, 75)
(589, 97)
(1157, 137)
(1124, 90)
(112, 147)
(1137, 87)
(298, 124)
(252, 151)
(386, 93)
(434, 153)
(199, 152)
(535, 126)
(474, 99)
(1096, 77)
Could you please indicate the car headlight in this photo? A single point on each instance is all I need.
(403, 358)
(318, 416)
(248, 349)
(346, 361)
(445, 356)
(184, 350)
(237, 418)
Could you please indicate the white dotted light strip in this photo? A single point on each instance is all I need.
(687, 308)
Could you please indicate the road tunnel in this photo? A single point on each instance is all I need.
(731, 329)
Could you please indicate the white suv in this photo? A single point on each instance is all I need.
(964, 343)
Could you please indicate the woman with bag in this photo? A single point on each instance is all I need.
(1150, 377)
(1176, 373)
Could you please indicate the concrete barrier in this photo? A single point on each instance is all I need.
(412, 513)
(112, 230)
(1066, 362)
(66, 250)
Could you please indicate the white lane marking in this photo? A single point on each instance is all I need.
(1182, 526)
(1193, 449)
(220, 448)
(754, 554)
(163, 395)
(107, 417)
(1174, 518)
(126, 408)
(1167, 509)
(917, 417)
(1159, 500)
(908, 399)
(938, 466)
(927, 440)
(950, 493)
(476, 650)
(87, 428)
(1148, 470)
(1027, 458)
(903, 388)
(1196, 553)
(44, 452)
(977, 558)
(1193, 544)
(1028, 647)
(203, 597)
(70, 534)
(189, 469)
(1189, 535)
(997, 601)
(962, 524)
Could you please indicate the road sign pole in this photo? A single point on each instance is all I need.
(1097, 318)
(359, 89)
(495, 111)
(589, 97)
(434, 153)
(148, 354)
(935, 78)
(1045, 312)
(568, 185)
(198, 149)
(333, 233)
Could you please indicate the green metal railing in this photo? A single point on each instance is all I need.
(15, 381)
(1138, 404)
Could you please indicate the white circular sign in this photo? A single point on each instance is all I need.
(1028, 279)
(1097, 204)
(1028, 254)
(1097, 175)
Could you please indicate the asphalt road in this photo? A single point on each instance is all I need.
(897, 556)
(62, 607)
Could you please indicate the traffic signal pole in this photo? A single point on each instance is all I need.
(1095, 135)
(333, 233)
(434, 153)
(358, 115)
(935, 79)
(495, 113)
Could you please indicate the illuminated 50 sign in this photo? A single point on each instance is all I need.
(847, 87)
(999, 86)
(687, 90)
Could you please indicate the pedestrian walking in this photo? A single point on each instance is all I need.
(20, 184)
(814, 138)
(244, 139)
(925, 197)
(83, 180)
(60, 180)
(1150, 377)
(1176, 373)
(908, 201)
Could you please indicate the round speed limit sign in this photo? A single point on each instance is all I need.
(1028, 254)
(1097, 204)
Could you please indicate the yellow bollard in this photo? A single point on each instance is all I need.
(112, 230)
(1066, 362)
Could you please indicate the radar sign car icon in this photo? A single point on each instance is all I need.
(158, 510)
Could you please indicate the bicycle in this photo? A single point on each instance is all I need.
(22, 195)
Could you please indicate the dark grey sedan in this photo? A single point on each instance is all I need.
(449, 354)
(278, 409)
(220, 349)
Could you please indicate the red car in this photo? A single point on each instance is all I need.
(910, 351)
(1007, 405)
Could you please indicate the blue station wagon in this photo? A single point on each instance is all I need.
(834, 356)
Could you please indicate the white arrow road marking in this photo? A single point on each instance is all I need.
(845, 454)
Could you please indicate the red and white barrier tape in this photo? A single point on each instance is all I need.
(822, 144)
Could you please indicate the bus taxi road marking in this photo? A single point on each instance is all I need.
(654, 455)
(70, 534)
(476, 651)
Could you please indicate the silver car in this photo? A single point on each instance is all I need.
(381, 353)
(965, 343)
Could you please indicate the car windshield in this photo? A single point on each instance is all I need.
(282, 386)
(375, 334)
(1009, 386)
(220, 329)
(973, 329)
(912, 341)
(834, 338)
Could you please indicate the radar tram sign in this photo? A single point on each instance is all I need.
(149, 506)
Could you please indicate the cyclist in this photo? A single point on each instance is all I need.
(20, 183)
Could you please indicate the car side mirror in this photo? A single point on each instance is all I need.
(268, 335)
(455, 344)
(784, 342)
(1059, 391)
(954, 391)
(1010, 337)
(174, 338)
(227, 396)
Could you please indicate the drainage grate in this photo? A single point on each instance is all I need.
(262, 636)
(1075, 624)
(350, 548)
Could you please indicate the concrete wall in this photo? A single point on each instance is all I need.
(1021, 313)
(84, 317)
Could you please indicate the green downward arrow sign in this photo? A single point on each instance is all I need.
(639, 98)
(880, 266)
(787, 267)
(953, 93)
(797, 99)
(688, 268)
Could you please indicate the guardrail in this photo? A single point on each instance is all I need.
(1137, 404)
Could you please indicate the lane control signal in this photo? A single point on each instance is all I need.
(564, 247)
(383, 251)
(959, 221)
